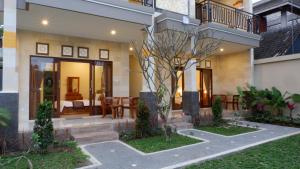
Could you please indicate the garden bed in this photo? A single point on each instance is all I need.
(68, 156)
(159, 143)
(281, 121)
(278, 154)
(227, 130)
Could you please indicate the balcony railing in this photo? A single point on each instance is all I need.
(210, 11)
(148, 3)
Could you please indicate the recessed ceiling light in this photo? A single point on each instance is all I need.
(131, 48)
(45, 22)
(113, 32)
(222, 50)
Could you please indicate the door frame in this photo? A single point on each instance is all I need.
(201, 86)
(58, 60)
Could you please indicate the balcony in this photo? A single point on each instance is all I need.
(214, 12)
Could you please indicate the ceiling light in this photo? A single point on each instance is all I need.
(222, 50)
(45, 22)
(131, 48)
(113, 32)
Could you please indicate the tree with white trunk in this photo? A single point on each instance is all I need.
(161, 55)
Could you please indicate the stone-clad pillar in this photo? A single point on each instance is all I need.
(190, 97)
(9, 96)
(147, 93)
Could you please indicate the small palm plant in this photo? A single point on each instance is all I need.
(4, 117)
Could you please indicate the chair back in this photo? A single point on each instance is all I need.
(125, 101)
(236, 98)
(134, 101)
(115, 101)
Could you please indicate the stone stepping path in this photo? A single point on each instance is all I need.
(118, 155)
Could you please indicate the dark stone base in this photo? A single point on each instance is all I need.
(10, 101)
(149, 99)
(190, 102)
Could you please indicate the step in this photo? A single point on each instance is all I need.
(181, 125)
(184, 118)
(92, 128)
(94, 137)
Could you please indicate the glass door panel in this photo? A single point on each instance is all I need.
(102, 83)
(43, 79)
(177, 101)
(204, 86)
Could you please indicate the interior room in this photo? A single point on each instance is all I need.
(74, 88)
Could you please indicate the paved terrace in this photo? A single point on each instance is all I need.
(118, 155)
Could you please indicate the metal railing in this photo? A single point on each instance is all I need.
(210, 11)
(148, 3)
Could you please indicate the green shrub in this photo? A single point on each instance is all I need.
(266, 105)
(143, 127)
(217, 111)
(43, 127)
(4, 117)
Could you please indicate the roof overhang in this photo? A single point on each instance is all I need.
(76, 24)
(236, 36)
(175, 21)
(266, 7)
(116, 9)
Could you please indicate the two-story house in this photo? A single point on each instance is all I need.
(66, 50)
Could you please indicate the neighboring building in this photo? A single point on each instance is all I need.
(283, 28)
(62, 50)
(277, 60)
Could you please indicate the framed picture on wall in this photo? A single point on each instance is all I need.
(207, 64)
(104, 54)
(42, 48)
(83, 52)
(67, 51)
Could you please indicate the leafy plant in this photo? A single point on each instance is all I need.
(143, 128)
(4, 117)
(217, 111)
(43, 127)
(266, 104)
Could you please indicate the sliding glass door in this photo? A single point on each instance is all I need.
(43, 83)
(73, 86)
(204, 87)
(102, 84)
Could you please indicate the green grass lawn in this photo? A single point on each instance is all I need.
(227, 130)
(281, 154)
(67, 159)
(158, 143)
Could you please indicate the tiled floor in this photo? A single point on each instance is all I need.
(117, 155)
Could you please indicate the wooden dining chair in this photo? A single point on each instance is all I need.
(104, 106)
(234, 101)
(223, 99)
(134, 107)
(114, 105)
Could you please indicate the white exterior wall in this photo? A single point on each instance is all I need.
(10, 67)
(230, 71)
(26, 45)
(280, 72)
